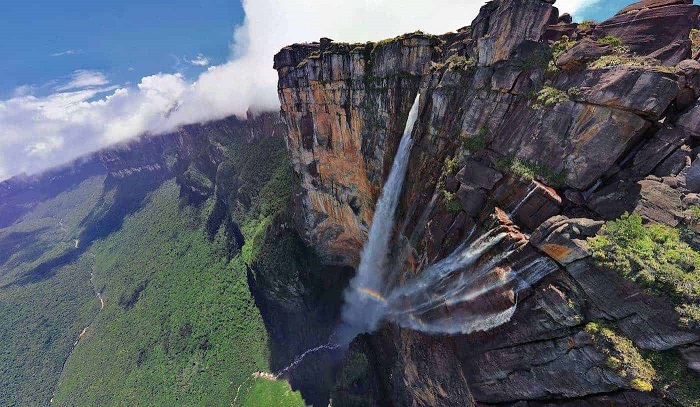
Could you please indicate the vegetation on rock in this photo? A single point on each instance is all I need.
(655, 256)
(623, 356)
(531, 171)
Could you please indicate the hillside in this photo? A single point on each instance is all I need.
(170, 245)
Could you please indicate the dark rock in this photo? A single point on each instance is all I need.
(479, 175)
(574, 196)
(652, 25)
(651, 322)
(565, 18)
(690, 121)
(643, 91)
(407, 368)
(451, 183)
(472, 199)
(649, 4)
(581, 140)
(655, 150)
(558, 31)
(674, 163)
(651, 198)
(583, 52)
(692, 177)
(502, 25)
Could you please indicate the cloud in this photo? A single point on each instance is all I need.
(201, 60)
(84, 79)
(66, 52)
(85, 114)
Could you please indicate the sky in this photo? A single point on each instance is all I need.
(80, 75)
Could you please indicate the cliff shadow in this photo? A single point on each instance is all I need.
(300, 302)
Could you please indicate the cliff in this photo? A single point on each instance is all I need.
(561, 126)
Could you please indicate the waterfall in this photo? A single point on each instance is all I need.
(364, 304)
(531, 190)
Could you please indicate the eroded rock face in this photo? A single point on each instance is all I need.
(345, 107)
(511, 136)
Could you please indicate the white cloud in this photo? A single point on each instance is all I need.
(83, 78)
(66, 52)
(76, 119)
(201, 60)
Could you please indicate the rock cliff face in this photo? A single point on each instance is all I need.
(562, 126)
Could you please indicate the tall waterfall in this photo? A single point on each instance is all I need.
(364, 306)
(459, 294)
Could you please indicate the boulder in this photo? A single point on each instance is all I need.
(690, 121)
(583, 52)
(644, 91)
(564, 239)
(556, 32)
(472, 199)
(477, 174)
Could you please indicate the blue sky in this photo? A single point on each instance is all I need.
(111, 37)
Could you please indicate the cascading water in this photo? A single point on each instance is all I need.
(364, 306)
(448, 296)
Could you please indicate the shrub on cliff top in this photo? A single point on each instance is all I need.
(561, 45)
(460, 62)
(646, 370)
(655, 257)
(611, 61)
(623, 356)
(616, 43)
(550, 96)
(586, 25)
(452, 203)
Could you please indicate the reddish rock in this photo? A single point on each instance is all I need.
(564, 239)
(528, 202)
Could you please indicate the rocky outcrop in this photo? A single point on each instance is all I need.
(526, 118)
(658, 28)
